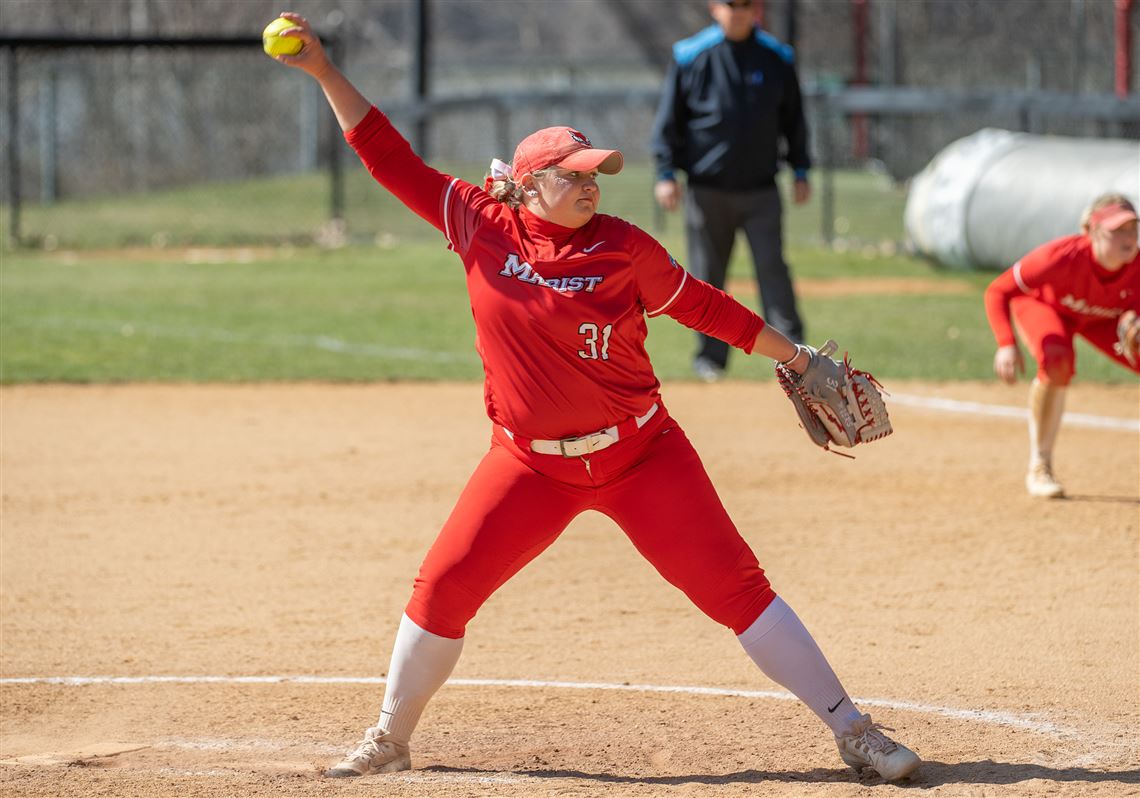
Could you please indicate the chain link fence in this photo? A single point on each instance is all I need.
(202, 144)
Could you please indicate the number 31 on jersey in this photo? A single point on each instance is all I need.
(591, 350)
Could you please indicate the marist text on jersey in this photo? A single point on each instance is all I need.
(515, 267)
(1084, 308)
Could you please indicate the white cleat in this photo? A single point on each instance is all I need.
(708, 371)
(1040, 482)
(864, 746)
(375, 754)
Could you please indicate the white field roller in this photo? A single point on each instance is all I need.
(989, 198)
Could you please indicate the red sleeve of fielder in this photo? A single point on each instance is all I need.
(998, 296)
(390, 160)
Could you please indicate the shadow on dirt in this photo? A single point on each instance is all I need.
(1104, 499)
(931, 774)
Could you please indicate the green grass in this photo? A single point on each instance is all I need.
(295, 209)
(87, 310)
(352, 314)
(365, 313)
(263, 212)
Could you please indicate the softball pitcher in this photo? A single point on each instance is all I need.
(560, 296)
(1087, 285)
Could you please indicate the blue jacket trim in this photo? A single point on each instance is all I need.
(786, 52)
(687, 50)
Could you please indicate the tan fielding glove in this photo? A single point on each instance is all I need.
(1128, 336)
(836, 403)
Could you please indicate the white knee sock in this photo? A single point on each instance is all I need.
(421, 663)
(1046, 407)
(784, 650)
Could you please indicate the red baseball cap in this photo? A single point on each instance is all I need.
(565, 147)
(1111, 217)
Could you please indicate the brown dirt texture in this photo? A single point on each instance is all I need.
(267, 535)
(879, 286)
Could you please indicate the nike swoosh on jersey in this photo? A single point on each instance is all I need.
(592, 247)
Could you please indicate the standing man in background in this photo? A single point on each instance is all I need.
(731, 96)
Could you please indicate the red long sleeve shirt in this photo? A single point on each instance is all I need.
(560, 313)
(1064, 274)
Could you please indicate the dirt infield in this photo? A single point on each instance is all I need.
(255, 532)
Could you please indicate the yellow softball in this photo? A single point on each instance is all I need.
(274, 43)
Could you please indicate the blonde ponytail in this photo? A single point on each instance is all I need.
(505, 189)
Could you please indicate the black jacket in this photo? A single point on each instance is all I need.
(724, 110)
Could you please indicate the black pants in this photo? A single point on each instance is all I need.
(712, 218)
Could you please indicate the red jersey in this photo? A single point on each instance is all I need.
(560, 313)
(1065, 275)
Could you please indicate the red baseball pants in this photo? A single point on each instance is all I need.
(653, 485)
(1049, 336)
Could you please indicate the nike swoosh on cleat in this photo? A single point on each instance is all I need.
(592, 247)
(837, 703)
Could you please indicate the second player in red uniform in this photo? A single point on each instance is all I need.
(560, 295)
(1076, 285)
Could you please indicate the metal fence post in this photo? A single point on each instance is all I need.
(13, 149)
(421, 37)
(502, 112)
(49, 140)
(827, 190)
(336, 139)
(309, 126)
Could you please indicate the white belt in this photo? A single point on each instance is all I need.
(588, 444)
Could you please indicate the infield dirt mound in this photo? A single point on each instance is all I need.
(274, 530)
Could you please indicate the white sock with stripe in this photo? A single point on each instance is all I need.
(421, 663)
(788, 655)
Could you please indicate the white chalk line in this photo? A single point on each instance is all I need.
(1003, 411)
(329, 343)
(990, 717)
